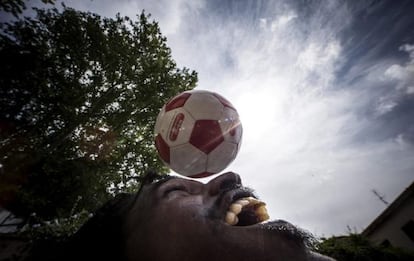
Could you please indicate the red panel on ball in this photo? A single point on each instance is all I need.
(163, 148)
(224, 101)
(176, 126)
(206, 135)
(177, 101)
(202, 175)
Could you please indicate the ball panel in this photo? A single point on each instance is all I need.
(224, 101)
(187, 160)
(163, 148)
(177, 102)
(206, 135)
(204, 105)
(175, 126)
(159, 121)
(231, 126)
(221, 157)
(202, 175)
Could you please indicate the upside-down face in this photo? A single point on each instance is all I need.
(180, 219)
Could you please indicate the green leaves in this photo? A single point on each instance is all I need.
(79, 95)
(356, 247)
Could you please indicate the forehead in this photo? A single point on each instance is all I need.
(154, 186)
(151, 193)
(162, 180)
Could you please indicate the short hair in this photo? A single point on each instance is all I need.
(102, 236)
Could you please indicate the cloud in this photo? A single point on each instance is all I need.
(403, 75)
(388, 88)
(169, 14)
(282, 21)
(318, 54)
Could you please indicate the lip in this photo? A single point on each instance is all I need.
(287, 230)
(270, 227)
(277, 227)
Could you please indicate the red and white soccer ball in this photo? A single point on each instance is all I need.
(198, 133)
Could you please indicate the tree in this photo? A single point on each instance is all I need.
(16, 7)
(355, 247)
(79, 95)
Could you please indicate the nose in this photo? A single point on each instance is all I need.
(223, 182)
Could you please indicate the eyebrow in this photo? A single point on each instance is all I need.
(149, 180)
(157, 184)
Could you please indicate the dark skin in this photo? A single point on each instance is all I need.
(177, 219)
(182, 219)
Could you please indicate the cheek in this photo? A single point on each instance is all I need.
(182, 213)
(168, 226)
(189, 208)
(169, 218)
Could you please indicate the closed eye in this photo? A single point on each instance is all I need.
(176, 188)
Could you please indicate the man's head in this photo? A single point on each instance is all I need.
(181, 219)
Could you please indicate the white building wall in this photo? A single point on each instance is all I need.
(391, 230)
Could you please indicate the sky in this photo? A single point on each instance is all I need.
(325, 93)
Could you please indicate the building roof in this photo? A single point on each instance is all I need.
(407, 193)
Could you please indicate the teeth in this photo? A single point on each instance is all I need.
(231, 218)
(235, 209)
(242, 202)
(261, 213)
(253, 201)
(261, 210)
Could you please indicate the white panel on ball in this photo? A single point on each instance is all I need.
(204, 106)
(176, 127)
(221, 156)
(159, 121)
(231, 126)
(188, 160)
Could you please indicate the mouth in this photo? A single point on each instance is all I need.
(242, 209)
(246, 211)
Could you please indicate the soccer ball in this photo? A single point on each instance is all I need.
(198, 133)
